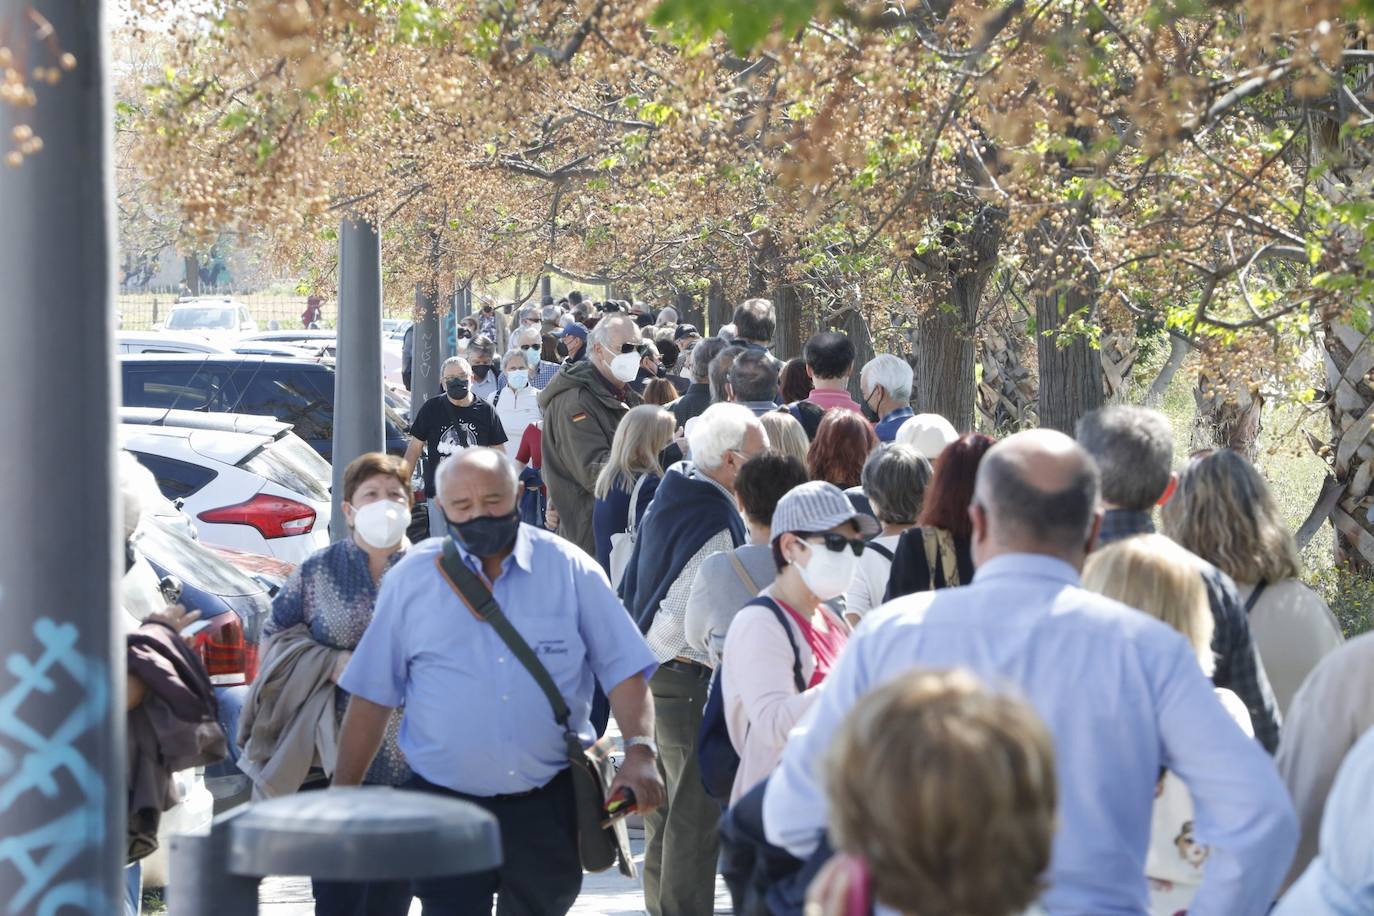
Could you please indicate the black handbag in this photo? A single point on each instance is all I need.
(592, 769)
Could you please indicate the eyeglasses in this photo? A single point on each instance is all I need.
(835, 542)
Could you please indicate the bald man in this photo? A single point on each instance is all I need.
(1122, 694)
(476, 724)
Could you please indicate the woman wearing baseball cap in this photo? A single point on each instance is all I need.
(781, 646)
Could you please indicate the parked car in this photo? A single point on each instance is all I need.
(327, 341)
(298, 392)
(176, 342)
(251, 492)
(210, 314)
(395, 328)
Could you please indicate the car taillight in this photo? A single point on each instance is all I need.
(273, 516)
(229, 659)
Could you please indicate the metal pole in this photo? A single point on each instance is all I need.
(465, 301)
(424, 359)
(358, 426)
(62, 751)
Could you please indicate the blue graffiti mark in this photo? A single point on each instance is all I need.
(41, 853)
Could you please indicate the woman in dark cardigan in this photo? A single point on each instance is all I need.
(945, 530)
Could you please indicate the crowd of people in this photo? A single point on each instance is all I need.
(860, 661)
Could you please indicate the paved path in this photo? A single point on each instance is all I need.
(605, 894)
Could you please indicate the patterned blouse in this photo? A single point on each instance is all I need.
(333, 594)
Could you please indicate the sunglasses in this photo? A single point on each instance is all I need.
(641, 349)
(834, 542)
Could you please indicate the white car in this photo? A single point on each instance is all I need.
(176, 342)
(210, 315)
(326, 342)
(258, 493)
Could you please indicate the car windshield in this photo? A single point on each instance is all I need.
(298, 469)
(202, 319)
(189, 561)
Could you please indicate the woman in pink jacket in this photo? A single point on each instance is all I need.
(781, 646)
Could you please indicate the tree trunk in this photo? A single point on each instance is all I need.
(1070, 370)
(1179, 348)
(62, 762)
(688, 309)
(1349, 358)
(1227, 417)
(192, 269)
(943, 355)
(853, 323)
(1007, 391)
(1118, 353)
(790, 333)
(718, 309)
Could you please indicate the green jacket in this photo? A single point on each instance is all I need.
(580, 420)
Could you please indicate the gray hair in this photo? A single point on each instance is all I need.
(892, 372)
(514, 353)
(720, 370)
(754, 377)
(525, 333)
(1134, 450)
(1060, 519)
(457, 361)
(755, 320)
(720, 428)
(895, 478)
(702, 354)
(601, 334)
(482, 346)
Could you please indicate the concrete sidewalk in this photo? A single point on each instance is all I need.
(605, 894)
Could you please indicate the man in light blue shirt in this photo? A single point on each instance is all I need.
(1122, 695)
(476, 724)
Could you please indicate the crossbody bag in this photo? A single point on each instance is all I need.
(592, 769)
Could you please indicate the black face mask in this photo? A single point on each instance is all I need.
(480, 371)
(486, 535)
(869, 413)
(457, 388)
(562, 349)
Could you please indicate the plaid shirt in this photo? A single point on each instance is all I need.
(1239, 668)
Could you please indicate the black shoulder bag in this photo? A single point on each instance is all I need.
(592, 770)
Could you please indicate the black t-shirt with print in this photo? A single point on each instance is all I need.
(447, 430)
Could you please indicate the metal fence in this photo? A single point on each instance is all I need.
(140, 309)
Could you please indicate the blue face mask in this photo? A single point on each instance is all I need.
(532, 354)
(518, 378)
(486, 535)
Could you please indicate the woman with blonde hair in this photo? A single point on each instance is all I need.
(1223, 511)
(1155, 575)
(972, 835)
(786, 435)
(629, 478)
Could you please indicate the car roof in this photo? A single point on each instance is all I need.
(205, 302)
(171, 338)
(252, 424)
(225, 447)
(217, 359)
(308, 334)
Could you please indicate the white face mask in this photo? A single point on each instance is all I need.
(827, 573)
(381, 524)
(625, 367)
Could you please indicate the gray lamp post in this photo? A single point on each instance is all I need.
(62, 753)
(357, 834)
(358, 423)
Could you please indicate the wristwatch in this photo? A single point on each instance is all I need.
(642, 741)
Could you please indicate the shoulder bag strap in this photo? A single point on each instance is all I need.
(634, 504)
(1255, 596)
(791, 640)
(743, 574)
(880, 550)
(480, 601)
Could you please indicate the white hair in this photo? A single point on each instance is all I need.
(528, 333)
(727, 332)
(668, 316)
(599, 335)
(892, 372)
(514, 353)
(720, 428)
(456, 361)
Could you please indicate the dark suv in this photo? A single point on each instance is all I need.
(295, 391)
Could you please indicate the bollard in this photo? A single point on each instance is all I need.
(347, 834)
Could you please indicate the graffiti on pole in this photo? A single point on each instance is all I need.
(50, 763)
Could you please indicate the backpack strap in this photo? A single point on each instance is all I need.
(880, 550)
(772, 605)
(1255, 596)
